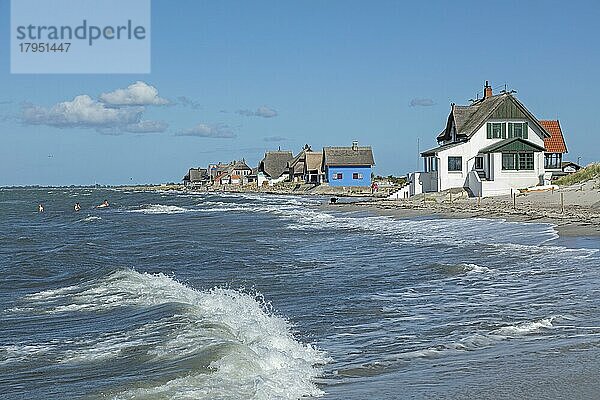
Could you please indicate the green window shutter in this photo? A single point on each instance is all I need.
(511, 130)
(503, 131)
(525, 131)
(489, 130)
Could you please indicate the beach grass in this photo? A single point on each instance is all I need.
(590, 172)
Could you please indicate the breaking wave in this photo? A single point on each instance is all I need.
(244, 349)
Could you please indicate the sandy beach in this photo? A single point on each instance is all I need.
(577, 214)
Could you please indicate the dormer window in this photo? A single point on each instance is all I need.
(518, 130)
(496, 130)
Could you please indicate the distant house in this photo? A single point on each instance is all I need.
(348, 166)
(196, 177)
(307, 166)
(222, 178)
(214, 170)
(491, 147)
(234, 173)
(569, 167)
(239, 168)
(555, 147)
(273, 168)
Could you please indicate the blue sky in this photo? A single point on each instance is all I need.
(230, 80)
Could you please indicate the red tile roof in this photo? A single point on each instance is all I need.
(556, 142)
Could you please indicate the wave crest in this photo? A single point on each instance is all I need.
(245, 350)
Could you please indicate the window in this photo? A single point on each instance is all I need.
(518, 130)
(455, 164)
(509, 161)
(478, 162)
(337, 175)
(496, 130)
(357, 175)
(552, 160)
(517, 161)
(431, 164)
(525, 161)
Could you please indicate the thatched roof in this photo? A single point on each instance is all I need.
(314, 161)
(238, 165)
(341, 156)
(198, 174)
(275, 163)
(306, 159)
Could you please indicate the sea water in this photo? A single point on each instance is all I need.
(169, 295)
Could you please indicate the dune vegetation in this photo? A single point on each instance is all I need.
(592, 171)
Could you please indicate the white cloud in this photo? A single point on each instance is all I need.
(262, 111)
(83, 111)
(136, 94)
(221, 131)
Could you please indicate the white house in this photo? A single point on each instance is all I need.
(273, 168)
(491, 147)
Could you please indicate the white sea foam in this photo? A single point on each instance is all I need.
(304, 216)
(53, 293)
(477, 340)
(91, 218)
(254, 353)
(477, 269)
(21, 352)
(160, 209)
(526, 327)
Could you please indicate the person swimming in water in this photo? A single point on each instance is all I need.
(77, 207)
(41, 208)
(103, 205)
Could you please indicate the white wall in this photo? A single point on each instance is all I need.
(507, 180)
(504, 180)
(261, 177)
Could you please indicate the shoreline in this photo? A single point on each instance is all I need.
(581, 221)
(572, 211)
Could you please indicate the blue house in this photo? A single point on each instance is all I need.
(348, 166)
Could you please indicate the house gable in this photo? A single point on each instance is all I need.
(508, 110)
(467, 120)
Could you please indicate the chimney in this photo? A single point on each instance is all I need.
(355, 145)
(487, 90)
